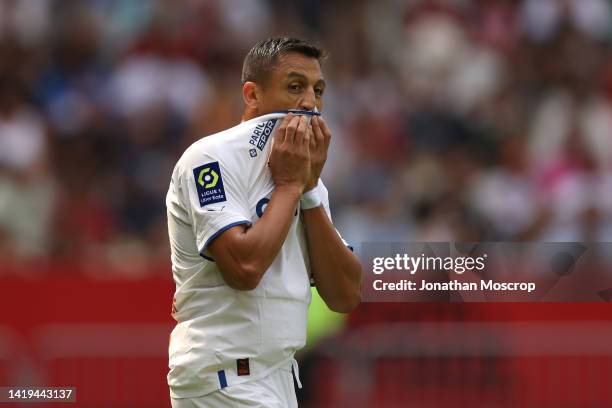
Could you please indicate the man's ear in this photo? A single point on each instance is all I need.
(251, 95)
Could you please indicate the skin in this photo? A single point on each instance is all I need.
(298, 155)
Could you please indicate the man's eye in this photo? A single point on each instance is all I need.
(295, 87)
(319, 91)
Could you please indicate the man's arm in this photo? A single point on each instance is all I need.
(336, 270)
(242, 253)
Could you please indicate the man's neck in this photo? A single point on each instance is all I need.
(249, 114)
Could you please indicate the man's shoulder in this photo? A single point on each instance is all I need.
(233, 147)
(250, 138)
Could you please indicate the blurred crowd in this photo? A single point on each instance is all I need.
(453, 120)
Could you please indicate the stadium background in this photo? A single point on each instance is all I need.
(455, 120)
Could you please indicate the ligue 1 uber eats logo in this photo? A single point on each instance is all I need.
(209, 184)
(208, 178)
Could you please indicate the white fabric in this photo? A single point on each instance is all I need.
(273, 391)
(216, 325)
(311, 199)
(296, 372)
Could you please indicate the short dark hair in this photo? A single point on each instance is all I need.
(260, 60)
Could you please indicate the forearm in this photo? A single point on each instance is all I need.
(261, 243)
(244, 254)
(336, 270)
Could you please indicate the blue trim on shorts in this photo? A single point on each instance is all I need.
(222, 379)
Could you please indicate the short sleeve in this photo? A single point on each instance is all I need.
(215, 196)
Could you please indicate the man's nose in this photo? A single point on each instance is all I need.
(309, 101)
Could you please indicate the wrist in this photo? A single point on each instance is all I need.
(311, 198)
(309, 187)
(290, 189)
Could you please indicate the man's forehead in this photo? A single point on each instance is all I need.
(295, 64)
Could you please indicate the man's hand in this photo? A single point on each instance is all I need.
(319, 144)
(290, 156)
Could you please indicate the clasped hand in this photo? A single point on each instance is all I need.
(299, 151)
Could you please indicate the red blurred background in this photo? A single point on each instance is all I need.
(109, 338)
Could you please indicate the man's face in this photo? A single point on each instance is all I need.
(296, 82)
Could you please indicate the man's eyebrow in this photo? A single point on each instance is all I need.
(304, 77)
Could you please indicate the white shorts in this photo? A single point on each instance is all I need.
(273, 391)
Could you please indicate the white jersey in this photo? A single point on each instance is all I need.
(225, 336)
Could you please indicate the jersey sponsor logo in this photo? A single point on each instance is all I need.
(209, 184)
(261, 206)
(263, 203)
(261, 134)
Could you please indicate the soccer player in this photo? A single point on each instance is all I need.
(250, 230)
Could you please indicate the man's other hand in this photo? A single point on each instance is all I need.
(290, 157)
(319, 144)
